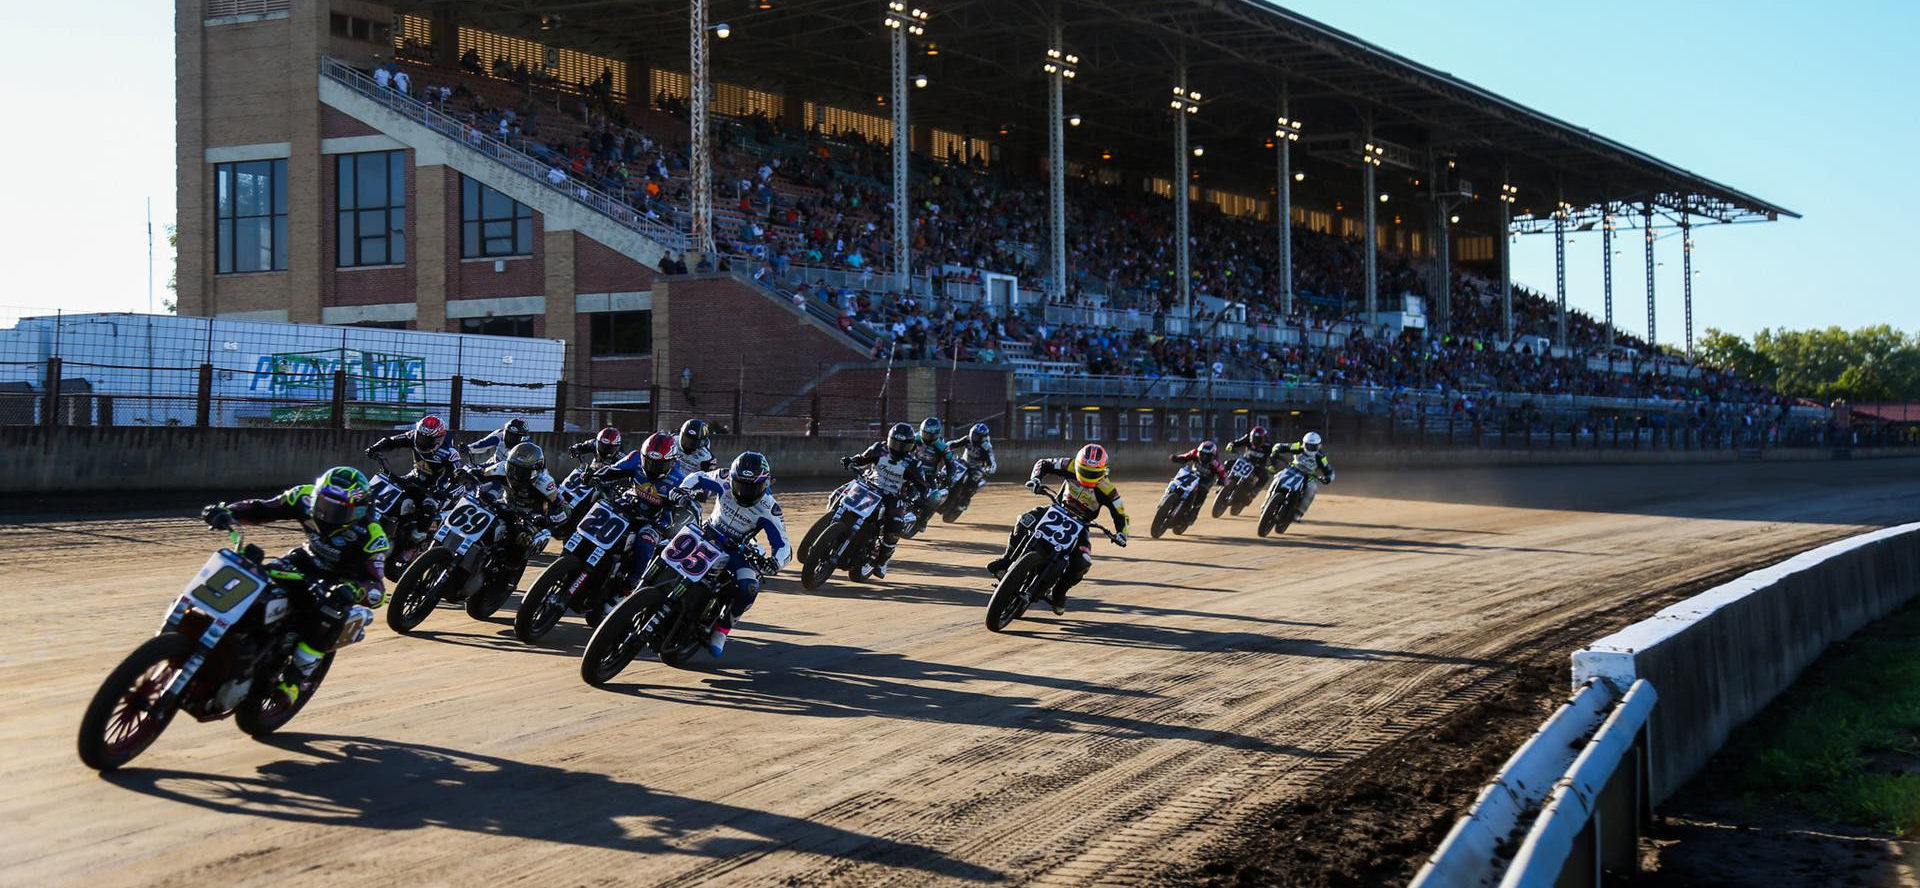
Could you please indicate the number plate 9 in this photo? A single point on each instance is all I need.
(223, 587)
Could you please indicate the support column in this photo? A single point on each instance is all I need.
(1442, 308)
(1283, 138)
(430, 186)
(1686, 271)
(1371, 241)
(1560, 275)
(1646, 216)
(559, 289)
(1606, 271)
(700, 174)
(1183, 267)
(1506, 265)
(1057, 173)
(902, 148)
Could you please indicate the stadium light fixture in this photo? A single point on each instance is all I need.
(900, 18)
(920, 81)
(1509, 193)
(1061, 63)
(1073, 120)
(1454, 219)
(722, 30)
(1287, 128)
(1300, 176)
(1372, 155)
(1383, 197)
(1185, 100)
(1199, 150)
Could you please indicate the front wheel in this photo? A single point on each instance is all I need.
(545, 603)
(1010, 598)
(490, 597)
(618, 639)
(124, 717)
(823, 557)
(1220, 500)
(1162, 517)
(419, 589)
(262, 713)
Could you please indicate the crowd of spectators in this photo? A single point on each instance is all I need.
(791, 202)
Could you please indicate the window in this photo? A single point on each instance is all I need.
(1093, 425)
(1146, 426)
(1122, 427)
(250, 216)
(372, 208)
(619, 333)
(1194, 426)
(499, 325)
(492, 224)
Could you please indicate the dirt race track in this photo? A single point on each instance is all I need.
(867, 734)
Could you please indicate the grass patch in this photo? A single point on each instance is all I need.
(1843, 743)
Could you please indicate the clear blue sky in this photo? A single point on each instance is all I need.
(1812, 107)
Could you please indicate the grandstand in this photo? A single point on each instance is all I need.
(513, 168)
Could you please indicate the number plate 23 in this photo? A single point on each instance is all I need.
(1058, 529)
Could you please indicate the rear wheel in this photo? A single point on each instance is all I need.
(1285, 519)
(1010, 598)
(123, 718)
(544, 604)
(488, 599)
(617, 639)
(1220, 500)
(262, 713)
(824, 556)
(419, 589)
(687, 636)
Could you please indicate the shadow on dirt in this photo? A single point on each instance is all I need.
(387, 786)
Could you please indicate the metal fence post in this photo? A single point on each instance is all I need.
(813, 415)
(453, 401)
(50, 414)
(203, 398)
(339, 418)
(653, 407)
(560, 406)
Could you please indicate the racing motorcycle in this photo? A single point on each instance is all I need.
(408, 510)
(847, 536)
(468, 562)
(577, 494)
(1236, 492)
(1180, 504)
(220, 653)
(590, 569)
(681, 595)
(966, 482)
(1282, 505)
(1039, 562)
(929, 502)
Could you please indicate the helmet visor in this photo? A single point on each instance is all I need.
(1089, 476)
(749, 490)
(337, 512)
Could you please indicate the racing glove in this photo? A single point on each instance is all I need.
(217, 516)
(1120, 539)
(1035, 485)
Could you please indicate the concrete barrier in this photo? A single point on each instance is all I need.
(39, 460)
(1719, 657)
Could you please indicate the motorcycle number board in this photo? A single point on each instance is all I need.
(575, 488)
(1241, 468)
(691, 555)
(385, 493)
(467, 521)
(602, 527)
(223, 586)
(1057, 528)
(859, 500)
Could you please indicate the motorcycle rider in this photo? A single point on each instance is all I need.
(936, 465)
(1206, 458)
(522, 484)
(654, 477)
(1312, 462)
(599, 451)
(492, 449)
(743, 507)
(891, 468)
(974, 450)
(433, 457)
(695, 452)
(340, 564)
(1259, 452)
(1086, 490)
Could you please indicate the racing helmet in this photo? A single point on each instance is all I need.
(341, 497)
(514, 432)
(606, 445)
(1090, 465)
(525, 461)
(1310, 442)
(900, 439)
(1207, 449)
(931, 429)
(1257, 436)
(693, 435)
(749, 477)
(656, 456)
(979, 434)
(428, 434)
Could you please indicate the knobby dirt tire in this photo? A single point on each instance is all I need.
(95, 749)
(414, 598)
(1005, 606)
(540, 609)
(822, 558)
(613, 644)
(258, 717)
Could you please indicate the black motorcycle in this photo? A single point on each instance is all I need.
(220, 653)
(408, 508)
(847, 536)
(471, 561)
(1284, 495)
(967, 481)
(1237, 491)
(592, 567)
(1180, 504)
(1039, 563)
(682, 594)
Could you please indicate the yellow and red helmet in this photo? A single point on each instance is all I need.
(1090, 465)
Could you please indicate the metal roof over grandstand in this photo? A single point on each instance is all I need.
(1241, 55)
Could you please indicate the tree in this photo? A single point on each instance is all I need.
(1875, 363)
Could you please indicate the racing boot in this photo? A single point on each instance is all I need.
(297, 674)
(717, 639)
(886, 557)
(1059, 601)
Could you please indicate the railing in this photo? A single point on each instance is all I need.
(502, 152)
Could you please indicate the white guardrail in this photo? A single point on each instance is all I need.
(1566, 809)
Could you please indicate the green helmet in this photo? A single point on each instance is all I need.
(930, 429)
(341, 496)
